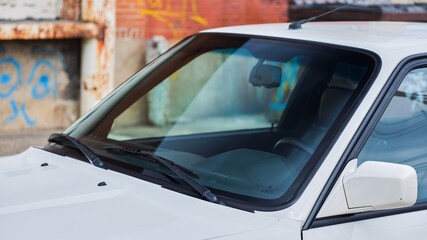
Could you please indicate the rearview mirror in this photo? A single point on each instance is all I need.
(371, 186)
(265, 75)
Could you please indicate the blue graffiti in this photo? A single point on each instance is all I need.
(40, 84)
(7, 85)
(42, 87)
(27, 119)
(15, 114)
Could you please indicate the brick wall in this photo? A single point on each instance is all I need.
(175, 19)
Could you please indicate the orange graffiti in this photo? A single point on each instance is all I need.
(162, 11)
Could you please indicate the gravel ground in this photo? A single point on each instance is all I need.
(12, 143)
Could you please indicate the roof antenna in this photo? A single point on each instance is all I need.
(298, 24)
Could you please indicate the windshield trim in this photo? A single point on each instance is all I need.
(313, 164)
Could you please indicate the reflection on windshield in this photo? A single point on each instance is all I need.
(245, 114)
(216, 99)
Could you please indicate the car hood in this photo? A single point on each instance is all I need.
(47, 196)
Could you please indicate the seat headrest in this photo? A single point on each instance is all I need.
(331, 104)
(265, 75)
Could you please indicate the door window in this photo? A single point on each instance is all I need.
(401, 134)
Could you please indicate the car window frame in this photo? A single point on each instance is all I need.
(357, 143)
(323, 148)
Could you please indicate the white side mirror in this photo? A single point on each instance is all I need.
(371, 186)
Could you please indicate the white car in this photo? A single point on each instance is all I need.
(246, 132)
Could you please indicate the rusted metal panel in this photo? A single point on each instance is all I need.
(70, 10)
(47, 30)
(97, 73)
(52, 102)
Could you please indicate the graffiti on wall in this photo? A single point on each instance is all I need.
(164, 12)
(41, 83)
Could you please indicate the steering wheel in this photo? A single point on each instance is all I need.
(295, 142)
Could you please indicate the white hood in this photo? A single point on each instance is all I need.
(63, 201)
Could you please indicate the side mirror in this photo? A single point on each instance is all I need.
(371, 186)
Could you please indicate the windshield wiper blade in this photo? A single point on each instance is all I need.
(86, 151)
(182, 172)
(150, 154)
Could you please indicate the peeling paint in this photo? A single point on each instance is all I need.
(98, 54)
(70, 10)
(92, 21)
(47, 30)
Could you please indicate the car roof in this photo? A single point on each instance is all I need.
(404, 37)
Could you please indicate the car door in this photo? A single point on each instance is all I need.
(395, 132)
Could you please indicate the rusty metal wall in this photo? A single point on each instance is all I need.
(39, 79)
(39, 84)
(30, 30)
(71, 10)
(97, 73)
(64, 66)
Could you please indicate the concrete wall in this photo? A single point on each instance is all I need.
(39, 84)
(30, 9)
(39, 79)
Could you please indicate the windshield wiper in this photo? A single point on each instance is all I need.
(89, 154)
(182, 172)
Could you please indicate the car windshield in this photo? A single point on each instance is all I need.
(249, 116)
